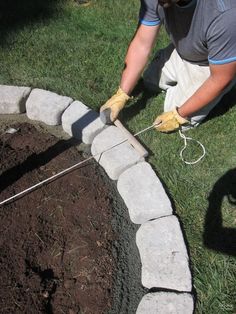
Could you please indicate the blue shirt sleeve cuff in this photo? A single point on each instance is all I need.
(223, 61)
(150, 23)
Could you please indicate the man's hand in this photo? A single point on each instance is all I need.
(169, 121)
(116, 103)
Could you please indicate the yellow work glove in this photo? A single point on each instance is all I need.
(116, 103)
(169, 121)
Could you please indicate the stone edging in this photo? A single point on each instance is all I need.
(163, 253)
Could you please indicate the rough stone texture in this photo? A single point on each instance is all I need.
(143, 193)
(163, 255)
(166, 303)
(13, 98)
(117, 159)
(81, 122)
(46, 106)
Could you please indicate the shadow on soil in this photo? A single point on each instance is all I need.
(34, 161)
(15, 14)
(127, 291)
(216, 236)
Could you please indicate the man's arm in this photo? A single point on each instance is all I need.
(137, 56)
(220, 77)
(135, 61)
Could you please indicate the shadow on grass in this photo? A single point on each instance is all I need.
(129, 112)
(15, 14)
(216, 236)
(226, 103)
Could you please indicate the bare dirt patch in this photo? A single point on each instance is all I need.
(56, 242)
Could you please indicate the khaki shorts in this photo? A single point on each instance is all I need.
(180, 79)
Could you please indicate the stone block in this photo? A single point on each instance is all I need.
(13, 99)
(164, 258)
(166, 303)
(46, 106)
(143, 193)
(81, 122)
(116, 157)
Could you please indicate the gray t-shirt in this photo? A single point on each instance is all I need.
(203, 31)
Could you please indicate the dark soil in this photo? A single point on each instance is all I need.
(55, 242)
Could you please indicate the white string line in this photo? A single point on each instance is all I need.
(63, 172)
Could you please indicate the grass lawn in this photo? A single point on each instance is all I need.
(78, 51)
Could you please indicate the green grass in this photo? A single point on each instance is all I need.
(79, 51)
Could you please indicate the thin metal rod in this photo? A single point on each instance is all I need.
(65, 171)
(34, 187)
(148, 128)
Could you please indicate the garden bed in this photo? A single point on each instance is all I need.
(55, 242)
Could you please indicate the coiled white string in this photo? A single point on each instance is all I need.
(186, 138)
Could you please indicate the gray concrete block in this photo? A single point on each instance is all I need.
(46, 106)
(166, 303)
(143, 193)
(165, 262)
(81, 122)
(116, 158)
(13, 99)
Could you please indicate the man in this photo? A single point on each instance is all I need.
(195, 71)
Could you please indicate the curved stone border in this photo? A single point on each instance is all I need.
(164, 258)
